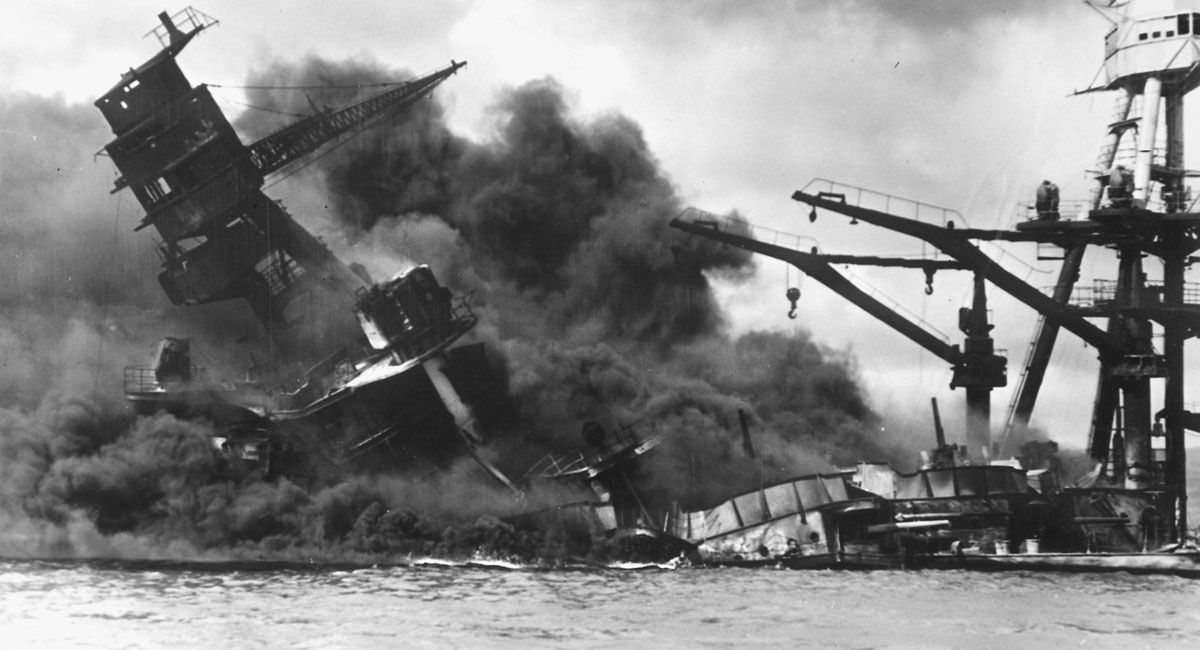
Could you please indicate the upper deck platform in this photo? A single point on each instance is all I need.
(1152, 37)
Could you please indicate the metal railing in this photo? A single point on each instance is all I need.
(1126, 153)
(1101, 292)
(280, 270)
(141, 379)
(743, 228)
(1105, 292)
(185, 20)
(556, 465)
(891, 204)
(1073, 210)
(895, 306)
(915, 210)
(437, 335)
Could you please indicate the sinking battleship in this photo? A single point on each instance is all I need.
(965, 507)
(389, 381)
(384, 379)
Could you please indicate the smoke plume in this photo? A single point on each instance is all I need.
(555, 224)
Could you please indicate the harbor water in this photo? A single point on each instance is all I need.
(74, 604)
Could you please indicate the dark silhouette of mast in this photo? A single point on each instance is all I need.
(201, 188)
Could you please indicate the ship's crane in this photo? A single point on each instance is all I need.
(1128, 359)
(293, 142)
(289, 144)
(201, 188)
(1152, 53)
(975, 366)
(957, 244)
(222, 239)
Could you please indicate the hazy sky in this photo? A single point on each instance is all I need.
(961, 104)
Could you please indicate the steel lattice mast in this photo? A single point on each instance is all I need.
(1152, 52)
(201, 188)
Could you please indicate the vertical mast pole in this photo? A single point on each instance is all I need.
(979, 345)
(1174, 333)
(1135, 386)
(1151, 98)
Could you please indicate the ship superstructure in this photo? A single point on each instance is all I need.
(1136, 500)
(201, 188)
(384, 384)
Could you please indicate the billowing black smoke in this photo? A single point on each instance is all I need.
(556, 225)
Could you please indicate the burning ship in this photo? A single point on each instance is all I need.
(963, 508)
(388, 381)
(384, 381)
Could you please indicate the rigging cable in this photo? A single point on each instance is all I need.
(261, 108)
(107, 290)
(317, 87)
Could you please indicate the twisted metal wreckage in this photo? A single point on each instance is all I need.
(412, 392)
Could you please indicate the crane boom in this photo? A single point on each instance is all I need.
(293, 142)
(819, 269)
(976, 367)
(957, 246)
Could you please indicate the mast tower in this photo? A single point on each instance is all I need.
(201, 188)
(1142, 209)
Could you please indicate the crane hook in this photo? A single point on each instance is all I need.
(812, 215)
(929, 289)
(793, 294)
(929, 280)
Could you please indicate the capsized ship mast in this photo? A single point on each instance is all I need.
(1141, 210)
(383, 383)
(201, 188)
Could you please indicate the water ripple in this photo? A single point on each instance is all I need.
(434, 604)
